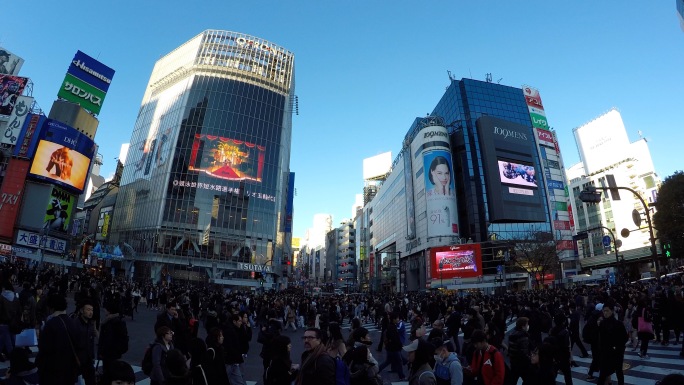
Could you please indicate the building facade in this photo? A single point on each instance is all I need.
(470, 178)
(605, 150)
(205, 184)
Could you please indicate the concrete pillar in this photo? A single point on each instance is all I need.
(155, 272)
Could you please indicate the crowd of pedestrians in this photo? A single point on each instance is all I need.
(85, 347)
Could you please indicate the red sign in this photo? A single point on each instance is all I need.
(11, 195)
(547, 277)
(564, 245)
(545, 136)
(457, 261)
(572, 218)
(561, 225)
(532, 97)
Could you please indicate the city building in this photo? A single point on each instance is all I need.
(605, 150)
(204, 191)
(340, 256)
(680, 13)
(471, 178)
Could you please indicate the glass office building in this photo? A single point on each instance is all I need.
(463, 103)
(204, 190)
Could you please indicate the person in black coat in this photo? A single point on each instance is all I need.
(113, 343)
(574, 329)
(519, 350)
(281, 371)
(393, 346)
(318, 367)
(58, 345)
(216, 358)
(171, 319)
(612, 338)
(561, 342)
(233, 344)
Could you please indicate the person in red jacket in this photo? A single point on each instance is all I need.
(488, 363)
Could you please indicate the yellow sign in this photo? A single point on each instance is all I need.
(295, 243)
(105, 226)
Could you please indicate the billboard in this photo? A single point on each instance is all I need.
(225, 158)
(511, 166)
(28, 136)
(86, 82)
(10, 64)
(59, 210)
(602, 141)
(440, 193)
(63, 156)
(289, 204)
(533, 98)
(458, 261)
(545, 137)
(517, 174)
(22, 107)
(377, 166)
(11, 87)
(410, 206)
(11, 195)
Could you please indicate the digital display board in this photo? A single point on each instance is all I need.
(517, 174)
(227, 158)
(62, 156)
(457, 261)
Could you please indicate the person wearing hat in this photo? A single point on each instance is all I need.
(420, 352)
(448, 369)
(613, 339)
(487, 364)
(118, 373)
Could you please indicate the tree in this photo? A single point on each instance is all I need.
(536, 253)
(669, 219)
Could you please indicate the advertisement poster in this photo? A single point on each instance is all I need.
(11, 88)
(17, 119)
(10, 64)
(59, 209)
(63, 156)
(458, 261)
(410, 208)
(440, 194)
(517, 174)
(227, 158)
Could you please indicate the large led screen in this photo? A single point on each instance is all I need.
(11, 88)
(227, 158)
(458, 261)
(63, 156)
(517, 174)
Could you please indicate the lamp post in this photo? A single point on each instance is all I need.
(590, 195)
(615, 241)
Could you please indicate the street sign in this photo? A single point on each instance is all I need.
(499, 269)
(606, 241)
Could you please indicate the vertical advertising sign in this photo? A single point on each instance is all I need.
(410, 207)
(11, 195)
(16, 121)
(59, 209)
(371, 265)
(431, 147)
(28, 137)
(290, 203)
(86, 82)
(10, 64)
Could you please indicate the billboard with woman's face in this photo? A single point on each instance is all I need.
(440, 195)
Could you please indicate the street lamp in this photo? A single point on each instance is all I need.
(616, 242)
(590, 195)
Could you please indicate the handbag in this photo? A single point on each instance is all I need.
(644, 326)
(27, 337)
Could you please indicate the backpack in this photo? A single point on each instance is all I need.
(146, 364)
(342, 372)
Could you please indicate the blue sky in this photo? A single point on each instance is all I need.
(366, 69)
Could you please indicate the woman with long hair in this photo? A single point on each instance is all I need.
(216, 362)
(281, 371)
(336, 344)
(643, 310)
(420, 353)
(198, 361)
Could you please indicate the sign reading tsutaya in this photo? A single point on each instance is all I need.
(253, 267)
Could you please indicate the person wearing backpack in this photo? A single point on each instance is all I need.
(448, 369)
(318, 367)
(113, 342)
(154, 361)
(488, 365)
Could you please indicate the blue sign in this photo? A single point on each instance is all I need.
(499, 269)
(555, 184)
(91, 71)
(611, 278)
(606, 241)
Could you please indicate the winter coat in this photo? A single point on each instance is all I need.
(423, 376)
(449, 371)
(490, 365)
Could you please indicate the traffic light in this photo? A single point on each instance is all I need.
(667, 249)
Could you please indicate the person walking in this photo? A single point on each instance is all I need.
(160, 348)
(232, 344)
(393, 346)
(216, 358)
(645, 330)
(318, 367)
(281, 371)
(488, 365)
(574, 329)
(448, 369)
(89, 337)
(113, 343)
(561, 342)
(612, 338)
(420, 353)
(519, 350)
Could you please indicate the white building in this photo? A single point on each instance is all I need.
(605, 149)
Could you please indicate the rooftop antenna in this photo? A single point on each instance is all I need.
(488, 77)
(451, 76)
(499, 81)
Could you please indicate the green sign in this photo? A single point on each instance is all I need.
(561, 206)
(81, 93)
(59, 209)
(539, 121)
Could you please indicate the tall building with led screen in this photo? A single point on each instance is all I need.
(203, 192)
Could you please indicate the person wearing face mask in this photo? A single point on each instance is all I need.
(448, 369)
(519, 349)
